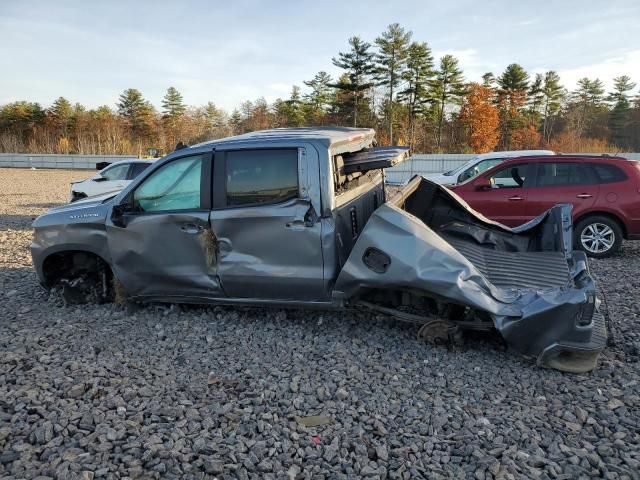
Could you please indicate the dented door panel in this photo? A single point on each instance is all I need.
(166, 254)
(269, 252)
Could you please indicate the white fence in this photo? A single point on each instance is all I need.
(25, 160)
(416, 165)
(424, 164)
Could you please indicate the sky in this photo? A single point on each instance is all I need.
(236, 50)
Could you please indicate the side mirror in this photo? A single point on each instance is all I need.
(100, 179)
(483, 185)
(117, 215)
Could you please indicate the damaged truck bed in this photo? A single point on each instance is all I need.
(526, 282)
(298, 217)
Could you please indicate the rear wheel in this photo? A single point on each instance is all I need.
(598, 236)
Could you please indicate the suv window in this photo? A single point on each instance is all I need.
(137, 169)
(261, 176)
(564, 173)
(174, 186)
(513, 176)
(117, 172)
(478, 168)
(608, 173)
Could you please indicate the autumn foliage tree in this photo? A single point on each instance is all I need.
(480, 115)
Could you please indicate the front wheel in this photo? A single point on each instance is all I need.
(598, 236)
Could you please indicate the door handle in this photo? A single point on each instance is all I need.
(309, 219)
(516, 197)
(191, 228)
(584, 195)
(295, 223)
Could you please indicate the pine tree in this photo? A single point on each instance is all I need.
(585, 105)
(390, 62)
(210, 122)
(553, 93)
(172, 105)
(358, 65)
(512, 96)
(320, 96)
(137, 112)
(536, 97)
(514, 79)
(61, 112)
(131, 103)
(236, 121)
(447, 87)
(620, 114)
(291, 111)
(590, 92)
(488, 80)
(214, 116)
(417, 75)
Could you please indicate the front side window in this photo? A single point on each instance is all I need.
(478, 168)
(118, 172)
(174, 186)
(137, 169)
(564, 174)
(513, 176)
(261, 176)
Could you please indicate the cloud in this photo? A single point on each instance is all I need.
(625, 64)
(471, 63)
(280, 87)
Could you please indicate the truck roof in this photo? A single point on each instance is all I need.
(328, 136)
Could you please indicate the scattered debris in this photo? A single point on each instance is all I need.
(314, 420)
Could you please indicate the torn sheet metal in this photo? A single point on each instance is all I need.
(535, 319)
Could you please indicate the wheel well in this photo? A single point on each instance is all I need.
(71, 264)
(612, 216)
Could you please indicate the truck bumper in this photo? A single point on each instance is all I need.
(577, 357)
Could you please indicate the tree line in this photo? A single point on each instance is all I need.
(392, 84)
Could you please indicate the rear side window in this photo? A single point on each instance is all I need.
(565, 173)
(261, 176)
(137, 169)
(608, 173)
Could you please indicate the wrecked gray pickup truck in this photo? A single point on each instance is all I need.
(298, 217)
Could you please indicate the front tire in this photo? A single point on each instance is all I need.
(598, 236)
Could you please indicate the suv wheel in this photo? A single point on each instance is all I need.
(599, 237)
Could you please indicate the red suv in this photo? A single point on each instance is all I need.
(604, 192)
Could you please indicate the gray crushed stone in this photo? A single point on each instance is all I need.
(99, 391)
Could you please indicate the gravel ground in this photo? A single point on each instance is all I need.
(175, 392)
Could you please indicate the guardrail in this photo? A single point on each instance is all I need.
(24, 160)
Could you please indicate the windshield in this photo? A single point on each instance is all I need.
(460, 168)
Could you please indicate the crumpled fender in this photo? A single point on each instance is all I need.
(420, 259)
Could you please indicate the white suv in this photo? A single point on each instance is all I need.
(113, 178)
(479, 164)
